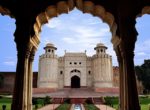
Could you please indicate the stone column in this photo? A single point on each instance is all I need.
(121, 85)
(30, 78)
(21, 81)
(129, 95)
(23, 33)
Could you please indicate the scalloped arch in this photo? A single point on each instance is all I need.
(84, 6)
(145, 10)
(5, 12)
(75, 74)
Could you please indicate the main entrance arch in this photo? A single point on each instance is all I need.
(75, 82)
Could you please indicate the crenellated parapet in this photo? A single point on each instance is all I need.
(48, 56)
(102, 56)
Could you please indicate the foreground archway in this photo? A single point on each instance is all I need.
(75, 82)
(125, 21)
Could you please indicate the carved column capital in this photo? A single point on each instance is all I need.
(118, 54)
(32, 54)
(24, 51)
(127, 32)
(126, 51)
(27, 53)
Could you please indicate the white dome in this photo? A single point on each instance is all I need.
(50, 45)
(100, 45)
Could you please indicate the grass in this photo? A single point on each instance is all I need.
(5, 101)
(8, 101)
(63, 107)
(144, 102)
(90, 107)
(40, 103)
(112, 101)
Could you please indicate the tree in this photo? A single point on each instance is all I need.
(143, 74)
(34, 101)
(1, 80)
(47, 100)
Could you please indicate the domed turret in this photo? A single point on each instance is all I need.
(102, 66)
(100, 48)
(50, 48)
(48, 68)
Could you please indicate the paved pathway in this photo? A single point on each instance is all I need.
(49, 107)
(82, 106)
(104, 107)
(72, 106)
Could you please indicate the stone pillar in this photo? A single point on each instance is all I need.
(121, 85)
(21, 81)
(30, 78)
(128, 94)
(22, 89)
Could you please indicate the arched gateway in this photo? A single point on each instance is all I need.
(60, 72)
(75, 82)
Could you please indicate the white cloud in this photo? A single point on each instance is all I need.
(54, 23)
(69, 40)
(77, 32)
(81, 33)
(141, 53)
(46, 40)
(147, 43)
(10, 63)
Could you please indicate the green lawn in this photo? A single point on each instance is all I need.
(144, 102)
(7, 102)
(90, 107)
(40, 104)
(112, 101)
(63, 107)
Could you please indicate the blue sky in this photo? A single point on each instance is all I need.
(73, 32)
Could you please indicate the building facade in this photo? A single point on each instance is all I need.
(75, 70)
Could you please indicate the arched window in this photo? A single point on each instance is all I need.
(101, 50)
(61, 72)
(89, 72)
